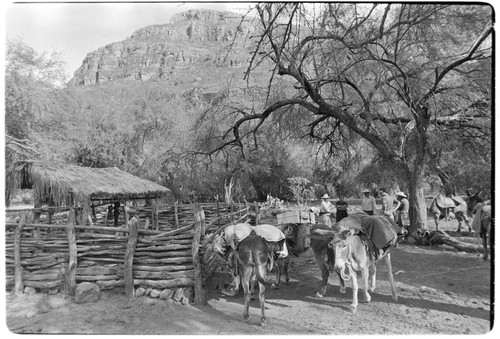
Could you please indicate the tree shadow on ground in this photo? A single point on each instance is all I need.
(413, 262)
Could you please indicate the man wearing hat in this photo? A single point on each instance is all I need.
(387, 203)
(368, 204)
(325, 209)
(402, 210)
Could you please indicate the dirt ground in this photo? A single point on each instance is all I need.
(441, 291)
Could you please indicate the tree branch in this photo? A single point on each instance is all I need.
(467, 57)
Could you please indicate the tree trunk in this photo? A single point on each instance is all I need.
(411, 181)
(228, 188)
(418, 208)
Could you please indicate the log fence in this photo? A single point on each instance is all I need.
(61, 255)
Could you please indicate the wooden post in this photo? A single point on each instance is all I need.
(36, 218)
(199, 294)
(199, 217)
(125, 215)
(218, 212)
(94, 216)
(117, 212)
(257, 213)
(18, 273)
(155, 214)
(176, 213)
(129, 258)
(50, 214)
(73, 255)
(85, 213)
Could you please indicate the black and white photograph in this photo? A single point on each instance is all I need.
(248, 168)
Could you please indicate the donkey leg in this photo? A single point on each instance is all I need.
(485, 246)
(388, 264)
(320, 260)
(280, 263)
(372, 277)
(245, 282)
(252, 285)
(354, 304)
(486, 235)
(262, 297)
(324, 281)
(342, 289)
(364, 278)
(286, 266)
(262, 301)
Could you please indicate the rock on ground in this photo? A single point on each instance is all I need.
(87, 292)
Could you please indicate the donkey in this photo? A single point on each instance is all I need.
(480, 211)
(484, 216)
(226, 244)
(353, 253)
(449, 207)
(252, 255)
(301, 240)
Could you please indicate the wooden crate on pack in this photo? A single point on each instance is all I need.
(296, 217)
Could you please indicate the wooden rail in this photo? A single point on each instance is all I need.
(61, 255)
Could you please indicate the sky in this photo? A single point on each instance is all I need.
(75, 29)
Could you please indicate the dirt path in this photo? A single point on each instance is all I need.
(440, 292)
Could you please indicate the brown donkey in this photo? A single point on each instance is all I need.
(253, 254)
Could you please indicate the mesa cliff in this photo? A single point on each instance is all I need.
(195, 44)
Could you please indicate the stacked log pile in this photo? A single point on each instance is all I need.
(164, 261)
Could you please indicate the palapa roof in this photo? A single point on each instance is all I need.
(63, 184)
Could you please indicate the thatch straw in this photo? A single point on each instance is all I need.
(61, 184)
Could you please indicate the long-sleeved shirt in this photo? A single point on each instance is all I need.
(387, 203)
(326, 207)
(368, 204)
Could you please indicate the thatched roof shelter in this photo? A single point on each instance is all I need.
(61, 184)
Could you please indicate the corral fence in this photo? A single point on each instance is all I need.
(56, 256)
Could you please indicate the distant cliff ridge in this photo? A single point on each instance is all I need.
(196, 38)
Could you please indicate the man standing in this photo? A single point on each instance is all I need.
(402, 210)
(368, 204)
(325, 209)
(341, 206)
(387, 204)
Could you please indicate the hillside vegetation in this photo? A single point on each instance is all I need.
(158, 102)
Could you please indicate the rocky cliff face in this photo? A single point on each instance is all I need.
(197, 42)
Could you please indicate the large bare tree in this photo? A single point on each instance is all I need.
(395, 74)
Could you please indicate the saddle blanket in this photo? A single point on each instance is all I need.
(379, 229)
(269, 232)
(445, 202)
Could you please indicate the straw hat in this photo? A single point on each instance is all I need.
(325, 196)
(366, 190)
(401, 194)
